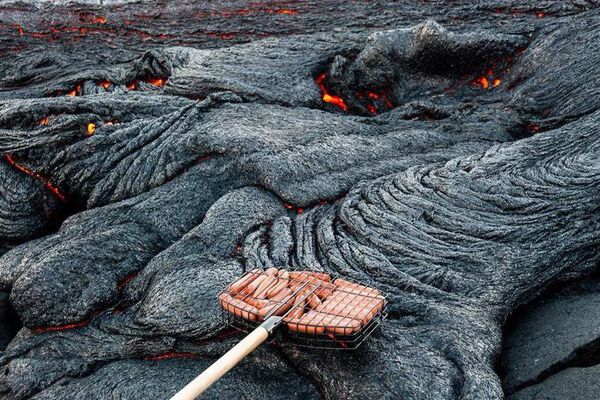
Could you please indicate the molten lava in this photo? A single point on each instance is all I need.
(160, 82)
(90, 128)
(105, 84)
(47, 184)
(328, 97)
(482, 81)
(299, 210)
(43, 121)
(123, 282)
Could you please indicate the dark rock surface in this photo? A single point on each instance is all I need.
(552, 346)
(447, 154)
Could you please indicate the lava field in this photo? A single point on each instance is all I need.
(447, 153)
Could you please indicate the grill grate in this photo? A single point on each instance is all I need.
(317, 309)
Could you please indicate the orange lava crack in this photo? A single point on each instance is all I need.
(328, 97)
(9, 158)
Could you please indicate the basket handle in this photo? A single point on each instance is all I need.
(229, 360)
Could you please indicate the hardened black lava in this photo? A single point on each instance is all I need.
(444, 152)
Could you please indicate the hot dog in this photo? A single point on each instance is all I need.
(312, 299)
(301, 275)
(253, 301)
(244, 281)
(281, 284)
(238, 307)
(356, 288)
(306, 324)
(277, 308)
(298, 310)
(266, 283)
(320, 287)
(252, 286)
(285, 292)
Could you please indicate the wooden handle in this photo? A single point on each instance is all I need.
(220, 367)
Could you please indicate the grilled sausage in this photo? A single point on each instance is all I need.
(281, 284)
(298, 310)
(277, 308)
(253, 301)
(320, 287)
(271, 271)
(343, 326)
(301, 275)
(356, 288)
(261, 290)
(312, 299)
(285, 292)
(238, 307)
(244, 281)
(251, 288)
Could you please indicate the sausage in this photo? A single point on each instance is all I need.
(261, 290)
(251, 288)
(306, 324)
(283, 274)
(298, 310)
(278, 287)
(253, 301)
(244, 281)
(312, 299)
(277, 308)
(332, 323)
(356, 288)
(271, 271)
(285, 292)
(321, 288)
(238, 307)
(343, 326)
(302, 275)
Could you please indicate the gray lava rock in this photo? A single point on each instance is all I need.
(153, 175)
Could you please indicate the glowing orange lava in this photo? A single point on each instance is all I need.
(496, 82)
(285, 11)
(98, 20)
(482, 81)
(47, 184)
(44, 121)
(327, 97)
(132, 85)
(90, 128)
(105, 84)
(540, 14)
(299, 210)
(160, 82)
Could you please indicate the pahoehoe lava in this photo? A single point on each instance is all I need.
(150, 153)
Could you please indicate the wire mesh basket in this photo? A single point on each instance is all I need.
(318, 309)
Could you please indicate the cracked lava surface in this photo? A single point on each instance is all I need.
(445, 153)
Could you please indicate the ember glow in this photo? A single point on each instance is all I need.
(105, 84)
(74, 92)
(90, 128)
(9, 158)
(65, 327)
(328, 97)
(43, 121)
(160, 82)
(291, 207)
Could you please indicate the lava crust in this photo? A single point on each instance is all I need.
(447, 154)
